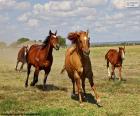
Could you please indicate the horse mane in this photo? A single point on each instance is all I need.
(73, 36)
(46, 41)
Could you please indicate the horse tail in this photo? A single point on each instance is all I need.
(63, 70)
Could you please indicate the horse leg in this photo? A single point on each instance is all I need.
(108, 69)
(21, 66)
(17, 65)
(73, 83)
(112, 73)
(45, 77)
(120, 76)
(90, 77)
(77, 78)
(83, 87)
(35, 79)
(28, 73)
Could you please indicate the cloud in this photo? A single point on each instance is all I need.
(33, 22)
(13, 4)
(24, 17)
(123, 4)
(90, 3)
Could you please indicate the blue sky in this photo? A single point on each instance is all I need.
(107, 20)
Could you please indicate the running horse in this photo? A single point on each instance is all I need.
(116, 59)
(21, 57)
(78, 64)
(40, 56)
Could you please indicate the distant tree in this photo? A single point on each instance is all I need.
(62, 41)
(22, 40)
(40, 40)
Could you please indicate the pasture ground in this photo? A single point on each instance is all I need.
(117, 98)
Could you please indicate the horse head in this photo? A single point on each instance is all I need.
(81, 39)
(54, 40)
(122, 52)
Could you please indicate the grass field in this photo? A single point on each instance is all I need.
(117, 98)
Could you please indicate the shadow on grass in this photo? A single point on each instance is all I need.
(88, 98)
(51, 87)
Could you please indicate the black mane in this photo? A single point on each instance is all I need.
(46, 41)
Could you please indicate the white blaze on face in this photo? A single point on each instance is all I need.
(123, 56)
(109, 74)
(25, 52)
(54, 36)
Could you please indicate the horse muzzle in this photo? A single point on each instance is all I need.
(57, 46)
(86, 52)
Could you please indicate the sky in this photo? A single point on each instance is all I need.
(106, 20)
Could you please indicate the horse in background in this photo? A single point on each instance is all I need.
(40, 56)
(115, 58)
(22, 57)
(78, 64)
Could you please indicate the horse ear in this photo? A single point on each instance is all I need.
(55, 32)
(50, 32)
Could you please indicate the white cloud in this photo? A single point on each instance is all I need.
(33, 22)
(24, 17)
(90, 3)
(123, 4)
(13, 4)
(23, 5)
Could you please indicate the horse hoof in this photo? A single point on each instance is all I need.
(32, 84)
(26, 85)
(44, 87)
(72, 95)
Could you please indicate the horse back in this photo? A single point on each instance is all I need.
(37, 56)
(112, 56)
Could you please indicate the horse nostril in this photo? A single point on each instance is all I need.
(57, 46)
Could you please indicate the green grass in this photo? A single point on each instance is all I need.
(117, 98)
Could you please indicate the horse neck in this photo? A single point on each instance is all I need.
(84, 59)
(120, 56)
(48, 50)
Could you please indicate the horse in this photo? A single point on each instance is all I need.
(78, 64)
(40, 56)
(115, 58)
(22, 57)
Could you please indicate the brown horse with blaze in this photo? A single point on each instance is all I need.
(78, 64)
(116, 59)
(21, 57)
(40, 56)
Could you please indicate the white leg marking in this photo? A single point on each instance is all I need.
(109, 74)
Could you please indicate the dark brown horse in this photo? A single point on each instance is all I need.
(78, 64)
(22, 57)
(116, 59)
(40, 56)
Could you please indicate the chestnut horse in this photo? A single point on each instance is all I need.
(116, 59)
(78, 64)
(40, 56)
(22, 57)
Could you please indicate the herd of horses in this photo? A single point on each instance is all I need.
(77, 61)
